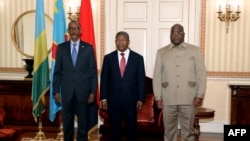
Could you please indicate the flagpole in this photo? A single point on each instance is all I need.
(60, 135)
(40, 134)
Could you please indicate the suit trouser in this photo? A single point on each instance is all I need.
(70, 108)
(186, 115)
(117, 116)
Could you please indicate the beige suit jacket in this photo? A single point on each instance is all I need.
(179, 74)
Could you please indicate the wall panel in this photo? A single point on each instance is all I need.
(227, 54)
(10, 10)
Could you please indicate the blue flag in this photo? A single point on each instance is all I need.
(59, 36)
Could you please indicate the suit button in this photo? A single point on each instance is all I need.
(177, 65)
(177, 75)
(177, 86)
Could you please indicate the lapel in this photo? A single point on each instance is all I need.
(68, 51)
(129, 62)
(80, 50)
(116, 62)
(80, 53)
(128, 65)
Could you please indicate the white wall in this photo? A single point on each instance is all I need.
(218, 97)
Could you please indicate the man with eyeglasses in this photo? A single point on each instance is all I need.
(75, 82)
(179, 83)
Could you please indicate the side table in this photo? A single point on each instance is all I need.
(202, 113)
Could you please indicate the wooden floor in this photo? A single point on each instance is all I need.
(95, 136)
(203, 137)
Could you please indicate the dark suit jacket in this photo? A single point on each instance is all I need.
(82, 78)
(127, 90)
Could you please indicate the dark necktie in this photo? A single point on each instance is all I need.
(74, 54)
(122, 64)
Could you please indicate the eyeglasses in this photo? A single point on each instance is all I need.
(176, 32)
(74, 29)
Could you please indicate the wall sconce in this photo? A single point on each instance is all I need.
(74, 16)
(228, 15)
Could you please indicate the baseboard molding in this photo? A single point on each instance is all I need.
(212, 127)
(12, 76)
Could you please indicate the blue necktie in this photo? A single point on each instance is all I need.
(74, 54)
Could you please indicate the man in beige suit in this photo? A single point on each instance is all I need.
(179, 83)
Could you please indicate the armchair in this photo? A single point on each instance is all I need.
(8, 134)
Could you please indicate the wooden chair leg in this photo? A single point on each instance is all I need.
(196, 129)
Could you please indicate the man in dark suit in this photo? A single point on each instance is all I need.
(75, 82)
(123, 91)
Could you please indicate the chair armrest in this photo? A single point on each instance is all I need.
(1, 123)
(2, 115)
(160, 120)
(158, 116)
(103, 114)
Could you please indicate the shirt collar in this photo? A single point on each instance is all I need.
(182, 45)
(126, 52)
(77, 42)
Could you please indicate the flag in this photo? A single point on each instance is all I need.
(40, 82)
(88, 35)
(59, 36)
